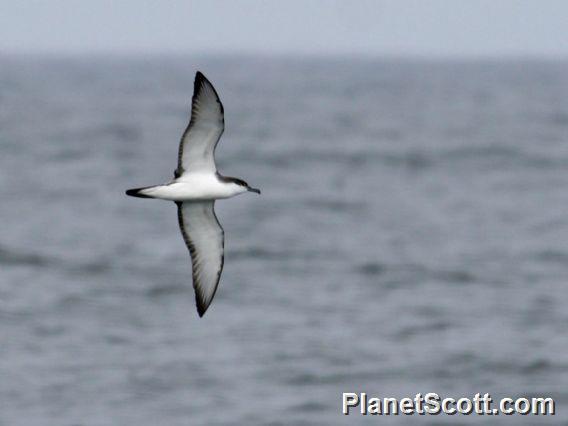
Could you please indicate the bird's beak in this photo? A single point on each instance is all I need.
(253, 190)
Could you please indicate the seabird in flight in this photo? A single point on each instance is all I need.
(196, 186)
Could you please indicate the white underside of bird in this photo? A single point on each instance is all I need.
(196, 186)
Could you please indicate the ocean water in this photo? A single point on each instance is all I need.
(411, 236)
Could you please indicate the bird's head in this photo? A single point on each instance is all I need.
(241, 184)
(246, 186)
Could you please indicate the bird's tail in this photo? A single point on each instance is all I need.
(139, 192)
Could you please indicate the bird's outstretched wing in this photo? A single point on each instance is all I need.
(197, 146)
(205, 240)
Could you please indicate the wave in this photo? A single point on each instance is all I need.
(12, 257)
(415, 158)
(373, 269)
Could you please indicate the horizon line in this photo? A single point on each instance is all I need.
(409, 56)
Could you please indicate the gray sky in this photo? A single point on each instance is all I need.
(380, 27)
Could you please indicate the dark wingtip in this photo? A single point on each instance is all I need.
(201, 308)
(199, 83)
(200, 78)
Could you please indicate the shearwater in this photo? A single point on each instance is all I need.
(196, 186)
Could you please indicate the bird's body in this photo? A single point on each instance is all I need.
(196, 186)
